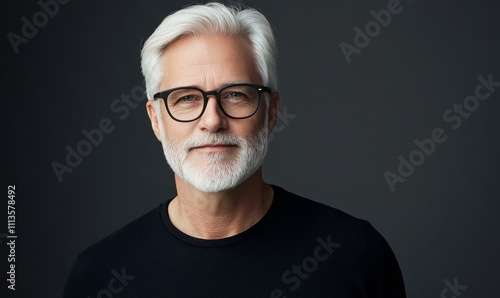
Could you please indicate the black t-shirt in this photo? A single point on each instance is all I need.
(300, 248)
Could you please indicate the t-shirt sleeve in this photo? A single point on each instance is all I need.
(82, 282)
(382, 275)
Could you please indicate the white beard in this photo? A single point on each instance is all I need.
(216, 171)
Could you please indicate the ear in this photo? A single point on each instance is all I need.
(274, 104)
(154, 118)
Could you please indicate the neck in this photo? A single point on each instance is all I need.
(222, 214)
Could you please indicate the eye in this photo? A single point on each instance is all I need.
(186, 98)
(236, 94)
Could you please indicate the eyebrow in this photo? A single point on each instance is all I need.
(199, 87)
(223, 85)
(233, 82)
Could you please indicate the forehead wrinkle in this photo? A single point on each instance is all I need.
(203, 65)
(188, 77)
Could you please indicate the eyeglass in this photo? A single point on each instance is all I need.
(237, 101)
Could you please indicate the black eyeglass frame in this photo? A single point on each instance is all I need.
(259, 88)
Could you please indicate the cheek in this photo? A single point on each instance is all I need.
(176, 130)
(261, 115)
(249, 127)
(255, 123)
(177, 134)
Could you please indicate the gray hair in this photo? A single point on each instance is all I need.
(211, 18)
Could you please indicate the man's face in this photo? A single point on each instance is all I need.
(214, 152)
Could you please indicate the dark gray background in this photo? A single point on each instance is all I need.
(351, 123)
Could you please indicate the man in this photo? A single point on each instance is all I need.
(210, 73)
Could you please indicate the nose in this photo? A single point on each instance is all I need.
(213, 119)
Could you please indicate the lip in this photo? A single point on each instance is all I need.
(214, 147)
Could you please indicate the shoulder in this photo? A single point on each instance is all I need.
(305, 218)
(92, 266)
(133, 234)
(358, 245)
(298, 208)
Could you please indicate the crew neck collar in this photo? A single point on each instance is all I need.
(232, 240)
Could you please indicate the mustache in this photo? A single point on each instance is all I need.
(218, 138)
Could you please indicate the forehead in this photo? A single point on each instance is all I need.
(208, 61)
